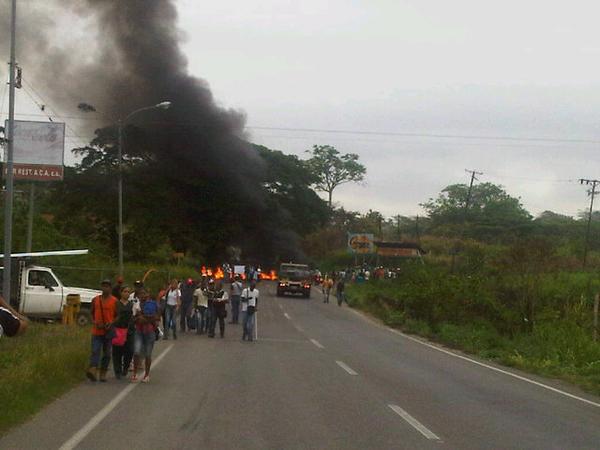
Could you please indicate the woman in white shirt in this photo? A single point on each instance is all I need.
(172, 303)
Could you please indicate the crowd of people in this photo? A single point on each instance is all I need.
(127, 322)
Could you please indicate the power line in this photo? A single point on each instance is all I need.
(429, 135)
(361, 132)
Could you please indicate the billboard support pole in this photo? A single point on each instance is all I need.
(29, 241)
(8, 193)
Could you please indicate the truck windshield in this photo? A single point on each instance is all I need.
(41, 278)
(294, 272)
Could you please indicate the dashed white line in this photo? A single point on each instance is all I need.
(415, 423)
(317, 343)
(287, 316)
(346, 367)
(101, 415)
(299, 328)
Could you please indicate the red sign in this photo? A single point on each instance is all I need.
(37, 172)
(395, 251)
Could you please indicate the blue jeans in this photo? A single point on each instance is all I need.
(144, 344)
(248, 325)
(170, 320)
(235, 308)
(201, 319)
(100, 345)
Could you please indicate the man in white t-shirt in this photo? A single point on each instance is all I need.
(249, 303)
(172, 304)
(236, 292)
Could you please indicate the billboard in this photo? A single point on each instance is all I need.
(39, 149)
(361, 243)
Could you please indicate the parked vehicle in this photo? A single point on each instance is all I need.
(294, 279)
(37, 292)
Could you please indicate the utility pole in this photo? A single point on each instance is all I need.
(474, 174)
(8, 195)
(589, 224)
(455, 250)
(417, 232)
(398, 226)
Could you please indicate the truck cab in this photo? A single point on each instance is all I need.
(37, 292)
(294, 279)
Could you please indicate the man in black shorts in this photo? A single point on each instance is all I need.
(11, 322)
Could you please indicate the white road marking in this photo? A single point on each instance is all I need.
(287, 316)
(346, 367)
(487, 366)
(415, 423)
(317, 343)
(101, 415)
(299, 328)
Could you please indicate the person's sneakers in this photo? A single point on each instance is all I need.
(92, 374)
(134, 378)
(146, 378)
(103, 375)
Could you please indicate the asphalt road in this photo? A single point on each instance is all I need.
(319, 377)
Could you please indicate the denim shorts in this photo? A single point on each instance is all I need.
(144, 344)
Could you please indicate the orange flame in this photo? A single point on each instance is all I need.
(272, 275)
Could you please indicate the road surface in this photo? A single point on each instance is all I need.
(319, 377)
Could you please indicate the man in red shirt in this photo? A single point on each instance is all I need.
(104, 313)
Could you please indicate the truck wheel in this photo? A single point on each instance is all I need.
(279, 293)
(84, 318)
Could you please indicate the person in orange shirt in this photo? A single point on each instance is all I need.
(104, 313)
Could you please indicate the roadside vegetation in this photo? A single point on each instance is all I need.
(38, 367)
(491, 318)
(495, 281)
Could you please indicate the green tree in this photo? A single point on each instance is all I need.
(331, 168)
(491, 211)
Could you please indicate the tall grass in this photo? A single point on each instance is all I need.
(39, 366)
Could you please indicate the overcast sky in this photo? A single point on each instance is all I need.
(510, 69)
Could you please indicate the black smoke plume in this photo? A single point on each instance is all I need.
(120, 55)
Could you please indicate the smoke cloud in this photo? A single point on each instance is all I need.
(123, 55)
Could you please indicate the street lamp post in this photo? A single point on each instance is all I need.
(121, 123)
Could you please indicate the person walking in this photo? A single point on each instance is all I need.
(104, 313)
(340, 292)
(236, 293)
(187, 298)
(147, 315)
(122, 344)
(201, 307)
(327, 285)
(172, 304)
(249, 303)
(220, 300)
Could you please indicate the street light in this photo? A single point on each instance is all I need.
(161, 105)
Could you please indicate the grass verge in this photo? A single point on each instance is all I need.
(38, 367)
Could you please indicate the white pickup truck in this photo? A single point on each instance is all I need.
(37, 292)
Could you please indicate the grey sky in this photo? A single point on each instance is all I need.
(511, 68)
